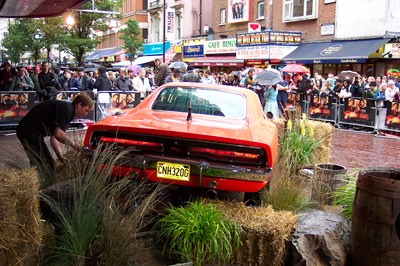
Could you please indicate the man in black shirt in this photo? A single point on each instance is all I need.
(48, 81)
(50, 118)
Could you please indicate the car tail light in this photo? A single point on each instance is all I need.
(135, 144)
(225, 155)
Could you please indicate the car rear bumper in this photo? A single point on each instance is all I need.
(202, 173)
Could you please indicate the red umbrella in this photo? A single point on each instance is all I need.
(295, 68)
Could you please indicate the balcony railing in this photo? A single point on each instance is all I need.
(155, 4)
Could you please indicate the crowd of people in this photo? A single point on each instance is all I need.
(47, 82)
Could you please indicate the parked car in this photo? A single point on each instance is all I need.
(204, 136)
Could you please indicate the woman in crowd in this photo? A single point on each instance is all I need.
(271, 104)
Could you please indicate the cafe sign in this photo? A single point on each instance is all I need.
(225, 46)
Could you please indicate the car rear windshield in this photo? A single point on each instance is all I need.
(203, 101)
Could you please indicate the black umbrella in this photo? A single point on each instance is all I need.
(178, 64)
(269, 76)
(91, 67)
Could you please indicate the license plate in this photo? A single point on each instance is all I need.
(173, 171)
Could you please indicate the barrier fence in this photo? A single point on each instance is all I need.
(15, 105)
(352, 111)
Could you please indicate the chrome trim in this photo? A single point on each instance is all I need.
(199, 167)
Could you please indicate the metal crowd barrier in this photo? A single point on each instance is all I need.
(15, 105)
(354, 111)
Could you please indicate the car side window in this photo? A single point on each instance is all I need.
(202, 101)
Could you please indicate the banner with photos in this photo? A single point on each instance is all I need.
(357, 111)
(393, 115)
(293, 101)
(321, 107)
(15, 105)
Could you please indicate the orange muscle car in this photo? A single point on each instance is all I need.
(196, 135)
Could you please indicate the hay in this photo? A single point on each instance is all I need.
(322, 132)
(266, 232)
(20, 225)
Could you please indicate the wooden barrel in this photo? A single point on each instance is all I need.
(375, 209)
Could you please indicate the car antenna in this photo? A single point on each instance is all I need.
(189, 116)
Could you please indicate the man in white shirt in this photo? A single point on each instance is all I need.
(141, 83)
(208, 78)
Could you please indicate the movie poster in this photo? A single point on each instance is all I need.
(293, 101)
(321, 107)
(358, 111)
(238, 11)
(393, 115)
(15, 105)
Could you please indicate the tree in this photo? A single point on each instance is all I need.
(81, 39)
(131, 37)
(20, 38)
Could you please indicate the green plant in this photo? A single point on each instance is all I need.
(297, 145)
(344, 196)
(199, 233)
(97, 227)
(285, 194)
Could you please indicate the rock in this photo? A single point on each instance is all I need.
(320, 238)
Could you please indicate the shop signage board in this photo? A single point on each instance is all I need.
(193, 48)
(287, 38)
(264, 52)
(225, 46)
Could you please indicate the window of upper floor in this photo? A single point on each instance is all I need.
(222, 20)
(261, 10)
(295, 10)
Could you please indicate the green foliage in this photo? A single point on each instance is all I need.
(199, 233)
(131, 37)
(344, 196)
(297, 145)
(19, 38)
(97, 227)
(81, 39)
(285, 194)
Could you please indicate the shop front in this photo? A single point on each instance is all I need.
(362, 56)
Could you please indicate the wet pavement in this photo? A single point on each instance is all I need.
(352, 149)
(358, 149)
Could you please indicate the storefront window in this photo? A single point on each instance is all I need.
(329, 68)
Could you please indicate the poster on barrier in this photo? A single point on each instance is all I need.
(15, 105)
(321, 107)
(113, 102)
(293, 101)
(393, 115)
(357, 111)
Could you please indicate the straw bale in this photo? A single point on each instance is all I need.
(266, 232)
(322, 132)
(20, 226)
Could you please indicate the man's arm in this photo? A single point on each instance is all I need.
(58, 137)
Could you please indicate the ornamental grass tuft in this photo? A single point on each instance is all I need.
(199, 233)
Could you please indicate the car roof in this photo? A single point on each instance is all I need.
(36, 8)
(210, 86)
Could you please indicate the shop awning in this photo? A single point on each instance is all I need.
(104, 53)
(169, 55)
(334, 51)
(229, 60)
